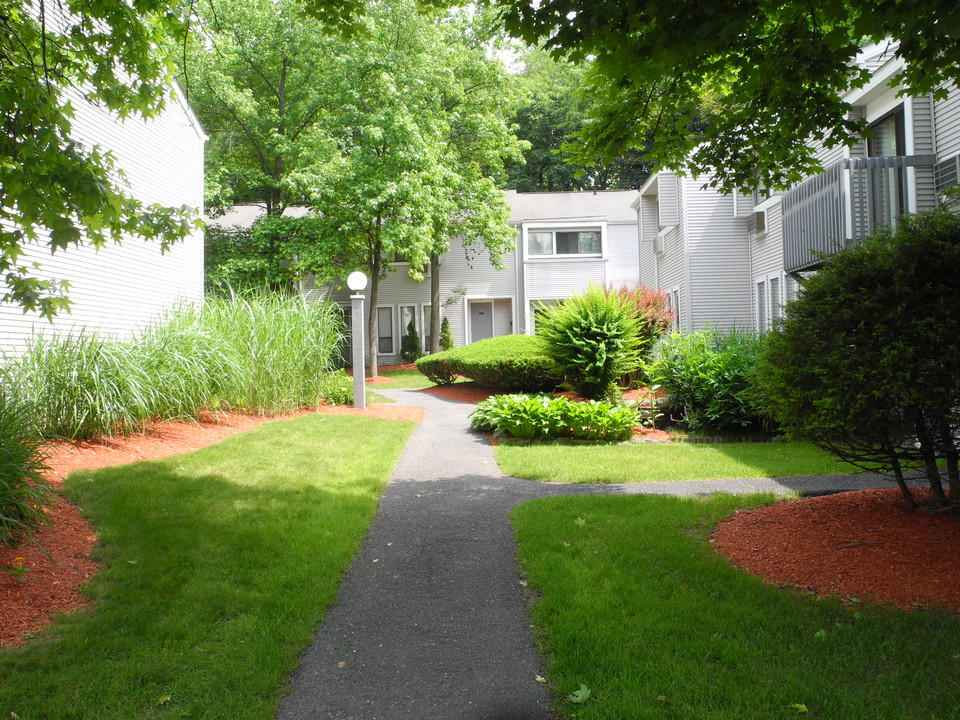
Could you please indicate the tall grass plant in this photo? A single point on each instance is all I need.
(261, 353)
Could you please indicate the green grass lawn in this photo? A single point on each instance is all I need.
(217, 568)
(635, 607)
(403, 379)
(649, 462)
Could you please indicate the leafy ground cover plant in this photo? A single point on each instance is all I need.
(545, 417)
(594, 338)
(707, 375)
(24, 496)
(217, 568)
(635, 606)
(867, 360)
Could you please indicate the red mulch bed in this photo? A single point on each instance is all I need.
(50, 587)
(865, 545)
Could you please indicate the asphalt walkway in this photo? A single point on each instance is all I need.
(431, 622)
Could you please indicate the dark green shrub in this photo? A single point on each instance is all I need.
(410, 348)
(707, 376)
(439, 368)
(24, 495)
(446, 335)
(517, 363)
(545, 417)
(867, 360)
(594, 338)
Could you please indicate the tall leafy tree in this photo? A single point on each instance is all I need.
(550, 118)
(765, 76)
(418, 134)
(255, 77)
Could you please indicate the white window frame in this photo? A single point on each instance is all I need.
(394, 314)
(773, 307)
(673, 300)
(425, 309)
(554, 228)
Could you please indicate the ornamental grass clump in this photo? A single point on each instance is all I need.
(594, 338)
(24, 495)
(544, 417)
(248, 353)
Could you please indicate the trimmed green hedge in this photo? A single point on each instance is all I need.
(510, 362)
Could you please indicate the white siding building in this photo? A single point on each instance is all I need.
(565, 241)
(123, 287)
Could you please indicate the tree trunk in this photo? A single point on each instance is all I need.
(928, 454)
(434, 303)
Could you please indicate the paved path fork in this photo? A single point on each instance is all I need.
(431, 622)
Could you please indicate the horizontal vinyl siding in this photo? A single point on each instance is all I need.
(624, 265)
(766, 250)
(947, 124)
(123, 287)
(647, 233)
(563, 278)
(827, 156)
(719, 261)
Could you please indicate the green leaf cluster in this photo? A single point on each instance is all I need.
(544, 417)
(741, 89)
(595, 338)
(510, 362)
(708, 376)
(867, 360)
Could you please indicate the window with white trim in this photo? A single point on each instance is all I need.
(561, 242)
(673, 302)
(385, 330)
(773, 292)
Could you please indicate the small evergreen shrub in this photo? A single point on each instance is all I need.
(707, 375)
(595, 338)
(24, 495)
(517, 363)
(446, 335)
(439, 368)
(410, 347)
(543, 417)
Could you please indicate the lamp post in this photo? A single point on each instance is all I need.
(357, 281)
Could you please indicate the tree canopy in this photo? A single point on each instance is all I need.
(765, 77)
(549, 117)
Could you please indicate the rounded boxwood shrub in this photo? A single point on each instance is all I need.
(517, 363)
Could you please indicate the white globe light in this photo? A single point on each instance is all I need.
(356, 281)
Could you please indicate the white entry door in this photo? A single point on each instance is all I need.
(481, 320)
